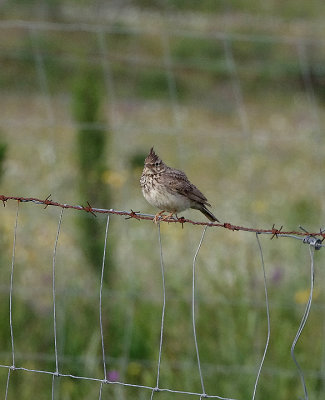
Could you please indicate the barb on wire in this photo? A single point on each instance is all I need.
(276, 232)
(314, 240)
(89, 209)
(133, 214)
(47, 201)
(139, 216)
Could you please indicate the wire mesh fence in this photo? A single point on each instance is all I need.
(307, 239)
(239, 106)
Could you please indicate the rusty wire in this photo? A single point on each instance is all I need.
(314, 242)
(140, 216)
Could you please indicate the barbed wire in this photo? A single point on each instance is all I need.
(312, 238)
(157, 388)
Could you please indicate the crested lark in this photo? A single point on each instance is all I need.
(170, 190)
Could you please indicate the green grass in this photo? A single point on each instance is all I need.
(270, 175)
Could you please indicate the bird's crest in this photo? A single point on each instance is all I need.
(152, 157)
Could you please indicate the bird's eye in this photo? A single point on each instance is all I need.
(157, 164)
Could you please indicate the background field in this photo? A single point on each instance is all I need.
(233, 94)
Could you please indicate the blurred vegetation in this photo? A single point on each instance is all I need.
(263, 63)
(3, 153)
(289, 9)
(92, 140)
(271, 176)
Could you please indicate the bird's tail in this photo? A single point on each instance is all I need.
(208, 213)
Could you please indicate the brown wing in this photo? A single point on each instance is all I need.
(178, 182)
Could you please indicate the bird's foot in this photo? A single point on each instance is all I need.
(157, 217)
(168, 216)
(160, 217)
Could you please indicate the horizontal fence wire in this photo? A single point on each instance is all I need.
(312, 239)
(301, 235)
(88, 27)
(313, 245)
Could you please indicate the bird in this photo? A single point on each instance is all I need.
(170, 190)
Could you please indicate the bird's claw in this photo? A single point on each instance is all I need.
(157, 217)
(160, 217)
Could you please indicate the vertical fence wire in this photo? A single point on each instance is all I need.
(10, 300)
(7, 383)
(304, 320)
(41, 73)
(267, 316)
(172, 89)
(127, 341)
(100, 391)
(107, 73)
(54, 291)
(308, 84)
(156, 388)
(193, 310)
(101, 299)
(162, 267)
(47, 101)
(11, 286)
(171, 81)
(53, 387)
(236, 87)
